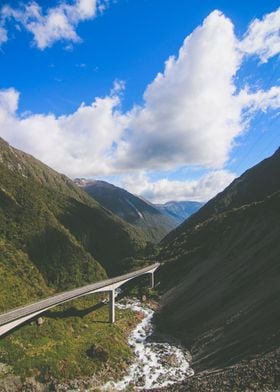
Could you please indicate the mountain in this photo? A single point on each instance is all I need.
(134, 210)
(179, 211)
(253, 186)
(52, 234)
(220, 273)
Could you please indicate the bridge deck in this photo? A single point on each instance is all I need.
(57, 299)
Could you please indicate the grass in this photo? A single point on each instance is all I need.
(58, 348)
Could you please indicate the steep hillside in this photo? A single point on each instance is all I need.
(54, 236)
(220, 272)
(58, 227)
(20, 281)
(254, 185)
(179, 211)
(134, 210)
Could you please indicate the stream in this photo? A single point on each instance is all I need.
(156, 364)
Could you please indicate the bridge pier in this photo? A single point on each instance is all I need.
(152, 280)
(112, 317)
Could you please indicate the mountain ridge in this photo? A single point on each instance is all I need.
(45, 214)
(240, 193)
(133, 209)
(54, 237)
(220, 273)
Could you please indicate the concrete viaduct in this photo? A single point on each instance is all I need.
(17, 316)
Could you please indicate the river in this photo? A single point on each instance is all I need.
(156, 364)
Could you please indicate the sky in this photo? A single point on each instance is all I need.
(170, 99)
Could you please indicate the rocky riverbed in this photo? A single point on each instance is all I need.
(261, 374)
(158, 362)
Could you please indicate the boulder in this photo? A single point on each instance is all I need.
(96, 352)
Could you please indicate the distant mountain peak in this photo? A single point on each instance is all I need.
(131, 208)
(179, 211)
(82, 182)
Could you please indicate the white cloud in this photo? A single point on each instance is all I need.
(57, 23)
(260, 100)
(3, 35)
(263, 37)
(165, 190)
(8, 101)
(76, 144)
(192, 115)
(192, 112)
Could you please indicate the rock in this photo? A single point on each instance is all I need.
(10, 384)
(31, 385)
(170, 360)
(96, 352)
(5, 369)
(39, 321)
(188, 356)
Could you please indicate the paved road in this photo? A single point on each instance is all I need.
(21, 312)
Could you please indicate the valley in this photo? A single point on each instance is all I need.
(216, 294)
(140, 213)
(139, 196)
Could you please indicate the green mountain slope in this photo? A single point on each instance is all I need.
(61, 230)
(20, 280)
(221, 272)
(143, 215)
(54, 236)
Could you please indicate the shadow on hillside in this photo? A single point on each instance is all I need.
(74, 312)
(70, 312)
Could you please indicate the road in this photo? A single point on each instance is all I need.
(19, 315)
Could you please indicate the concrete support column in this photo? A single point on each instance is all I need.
(152, 280)
(112, 306)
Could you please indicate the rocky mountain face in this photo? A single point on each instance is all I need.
(220, 273)
(53, 235)
(179, 211)
(134, 210)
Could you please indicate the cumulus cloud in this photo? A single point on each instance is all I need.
(3, 35)
(165, 190)
(8, 102)
(57, 23)
(192, 112)
(191, 115)
(260, 100)
(263, 37)
(77, 144)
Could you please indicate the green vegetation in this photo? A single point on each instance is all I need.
(53, 237)
(20, 280)
(29, 221)
(61, 230)
(144, 216)
(61, 347)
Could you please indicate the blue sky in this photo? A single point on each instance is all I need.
(162, 141)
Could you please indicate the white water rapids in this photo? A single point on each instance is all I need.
(156, 364)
